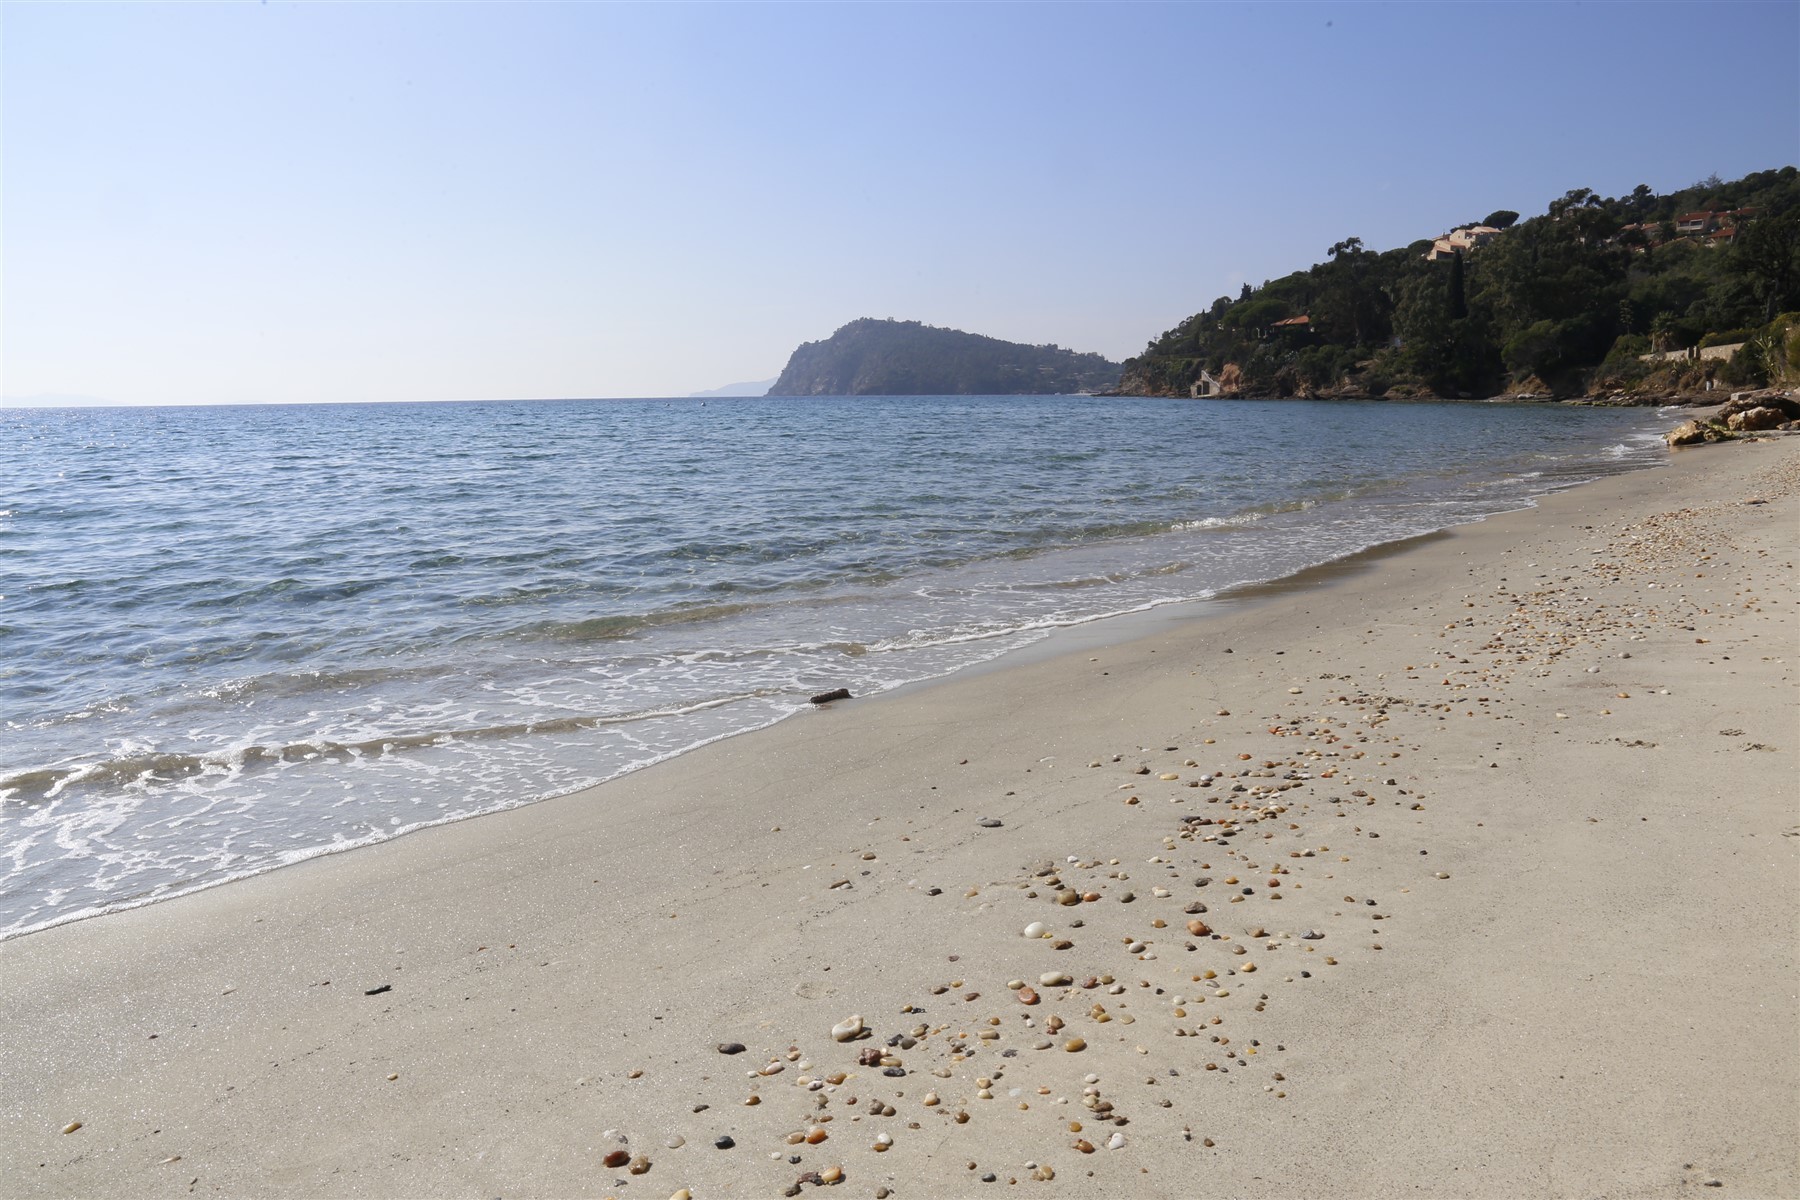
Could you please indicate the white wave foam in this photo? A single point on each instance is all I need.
(1237, 522)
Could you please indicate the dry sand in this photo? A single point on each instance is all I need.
(1532, 782)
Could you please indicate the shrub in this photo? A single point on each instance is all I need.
(1627, 349)
(1749, 367)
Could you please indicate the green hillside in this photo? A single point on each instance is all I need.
(1565, 303)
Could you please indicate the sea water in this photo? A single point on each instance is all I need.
(232, 638)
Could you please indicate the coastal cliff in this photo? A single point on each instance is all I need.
(871, 357)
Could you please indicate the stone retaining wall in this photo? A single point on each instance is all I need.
(1708, 354)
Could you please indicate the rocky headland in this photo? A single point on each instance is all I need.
(905, 358)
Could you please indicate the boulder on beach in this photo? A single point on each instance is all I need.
(1688, 433)
(1762, 417)
(1742, 402)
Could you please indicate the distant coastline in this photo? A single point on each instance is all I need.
(53, 400)
(759, 387)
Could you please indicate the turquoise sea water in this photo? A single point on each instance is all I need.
(232, 638)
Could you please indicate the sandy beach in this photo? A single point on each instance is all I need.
(1469, 870)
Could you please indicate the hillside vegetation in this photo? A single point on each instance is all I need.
(1565, 303)
(905, 358)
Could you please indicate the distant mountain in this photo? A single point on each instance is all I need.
(52, 400)
(906, 358)
(758, 388)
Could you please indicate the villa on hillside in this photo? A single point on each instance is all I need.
(1294, 331)
(1467, 239)
(1712, 227)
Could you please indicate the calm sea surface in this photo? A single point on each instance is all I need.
(233, 638)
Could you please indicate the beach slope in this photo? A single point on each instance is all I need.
(1469, 870)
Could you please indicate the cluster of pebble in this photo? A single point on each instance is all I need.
(1128, 969)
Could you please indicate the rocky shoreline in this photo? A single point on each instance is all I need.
(1763, 411)
(1605, 398)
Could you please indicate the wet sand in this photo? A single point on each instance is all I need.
(1531, 784)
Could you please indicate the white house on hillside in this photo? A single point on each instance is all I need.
(1467, 239)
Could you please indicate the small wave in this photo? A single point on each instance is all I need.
(37, 920)
(47, 783)
(1250, 516)
(1107, 579)
(252, 687)
(617, 628)
(1238, 522)
(1029, 630)
(1102, 579)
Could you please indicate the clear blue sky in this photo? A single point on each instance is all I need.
(209, 203)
